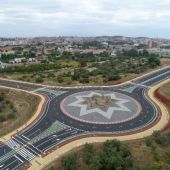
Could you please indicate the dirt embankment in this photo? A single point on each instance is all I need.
(25, 105)
(162, 97)
(165, 99)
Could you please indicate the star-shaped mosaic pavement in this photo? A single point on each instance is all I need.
(106, 109)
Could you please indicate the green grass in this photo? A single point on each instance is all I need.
(166, 89)
(68, 63)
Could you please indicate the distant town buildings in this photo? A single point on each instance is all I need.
(160, 52)
(18, 51)
(152, 44)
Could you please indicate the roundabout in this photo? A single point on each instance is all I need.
(100, 107)
(106, 110)
(69, 117)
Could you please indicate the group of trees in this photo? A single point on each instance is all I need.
(151, 60)
(108, 73)
(104, 66)
(7, 57)
(31, 68)
(111, 156)
(6, 105)
(82, 75)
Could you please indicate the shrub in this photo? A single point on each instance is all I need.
(39, 80)
(1, 97)
(160, 139)
(113, 155)
(7, 102)
(84, 80)
(11, 116)
(2, 118)
(70, 162)
(60, 79)
(51, 75)
(88, 152)
(113, 77)
(148, 142)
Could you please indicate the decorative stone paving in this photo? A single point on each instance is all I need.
(100, 107)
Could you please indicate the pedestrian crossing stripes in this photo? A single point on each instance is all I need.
(129, 89)
(53, 91)
(26, 154)
(20, 150)
(12, 144)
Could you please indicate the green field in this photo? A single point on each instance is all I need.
(166, 89)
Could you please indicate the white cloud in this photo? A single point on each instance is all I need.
(84, 17)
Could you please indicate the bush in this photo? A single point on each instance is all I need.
(155, 153)
(11, 105)
(114, 77)
(11, 116)
(148, 142)
(60, 79)
(51, 75)
(88, 152)
(2, 118)
(52, 168)
(14, 110)
(156, 134)
(1, 97)
(95, 163)
(8, 102)
(80, 73)
(39, 80)
(160, 139)
(84, 80)
(113, 156)
(70, 162)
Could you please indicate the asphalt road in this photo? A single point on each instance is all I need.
(54, 127)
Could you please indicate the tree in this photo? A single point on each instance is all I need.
(2, 97)
(83, 63)
(84, 80)
(104, 56)
(153, 61)
(95, 163)
(80, 73)
(88, 152)
(39, 80)
(70, 162)
(60, 79)
(113, 77)
(113, 156)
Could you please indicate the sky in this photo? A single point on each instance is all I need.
(28, 18)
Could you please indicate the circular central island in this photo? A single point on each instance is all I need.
(100, 107)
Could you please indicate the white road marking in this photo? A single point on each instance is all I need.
(146, 81)
(2, 165)
(12, 144)
(52, 137)
(8, 165)
(19, 159)
(26, 154)
(25, 137)
(141, 85)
